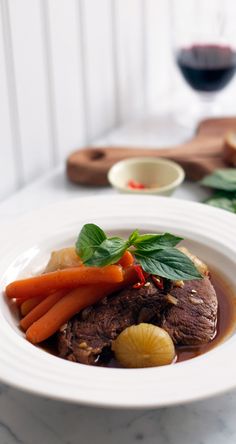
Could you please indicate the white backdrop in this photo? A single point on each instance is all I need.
(70, 70)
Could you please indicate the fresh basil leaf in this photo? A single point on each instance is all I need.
(90, 237)
(225, 200)
(149, 242)
(224, 203)
(154, 252)
(133, 237)
(228, 174)
(222, 193)
(169, 263)
(109, 252)
(224, 179)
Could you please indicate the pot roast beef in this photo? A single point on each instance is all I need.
(188, 314)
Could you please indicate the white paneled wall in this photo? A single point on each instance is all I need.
(64, 49)
(129, 57)
(71, 70)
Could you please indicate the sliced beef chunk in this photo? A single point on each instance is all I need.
(189, 316)
(193, 320)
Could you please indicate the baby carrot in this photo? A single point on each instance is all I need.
(29, 304)
(63, 279)
(127, 259)
(64, 309)
(42, 308)
(71, 304)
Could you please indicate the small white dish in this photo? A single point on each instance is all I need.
(159, 176)
(208, 232)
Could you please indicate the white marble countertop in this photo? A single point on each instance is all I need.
(29, 419)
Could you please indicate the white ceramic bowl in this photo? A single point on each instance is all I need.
(25, 248)
(160, 176)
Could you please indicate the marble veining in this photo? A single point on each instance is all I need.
(29, 419)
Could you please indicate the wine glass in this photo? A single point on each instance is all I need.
(204, 41)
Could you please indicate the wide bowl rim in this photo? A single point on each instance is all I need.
(29, 368)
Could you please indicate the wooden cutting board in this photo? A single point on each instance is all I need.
(199, 156)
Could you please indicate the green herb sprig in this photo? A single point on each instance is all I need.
(156, 253)
(223, 181)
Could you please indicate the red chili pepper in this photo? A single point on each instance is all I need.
(141, 275)
(136, 185)
(138, 285)
(158, 282)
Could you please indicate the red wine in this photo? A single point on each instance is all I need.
(207, 68)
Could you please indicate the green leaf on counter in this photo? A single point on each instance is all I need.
(222, 179)
(224, 200)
